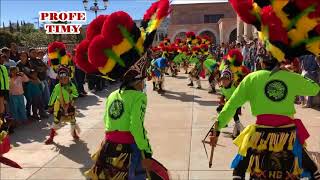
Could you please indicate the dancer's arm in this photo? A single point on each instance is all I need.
(137, 124)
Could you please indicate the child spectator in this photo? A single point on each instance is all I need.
(34, 94)
(16, 103)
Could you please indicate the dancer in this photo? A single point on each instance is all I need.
(194, 74)
(125, 153)
(159, 66)
(62, 104)
(227, 88)
(274, 147)
(213, 72)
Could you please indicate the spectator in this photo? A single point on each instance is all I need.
(8, 62)
(23, 63)
(34, 94)
(14, 54)
(261, 53)
(246, 55)
(38, 65)
(310, 69)
(252, 55)
(16, 103)
(80, 79)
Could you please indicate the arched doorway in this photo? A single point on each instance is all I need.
(233, 36)
(210, 34)
(180, 35)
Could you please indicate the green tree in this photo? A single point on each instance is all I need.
(18, 26)
(35, 39)
(10, 27)
(7, 37)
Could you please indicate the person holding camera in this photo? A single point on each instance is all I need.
(16, 103)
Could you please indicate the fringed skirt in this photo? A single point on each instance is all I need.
(114, 161)
(268, 153)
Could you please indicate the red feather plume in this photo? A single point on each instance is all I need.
(160, 7)
(244, 10)
(236, 54)
(96, 51)
(303, 4)
(204, 47)
(56, 46)
(110, 29)
(94, 28)
(276, 30)
(190, 34)
(245, 70)
(164, 9)
(81, 58)
(153, 8)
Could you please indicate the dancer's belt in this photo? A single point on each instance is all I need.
(279, 120)
(121, 137)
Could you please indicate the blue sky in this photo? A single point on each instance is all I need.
(28, 9)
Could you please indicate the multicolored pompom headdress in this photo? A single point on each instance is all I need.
(114, 43)
(58, 56)
(289, 28)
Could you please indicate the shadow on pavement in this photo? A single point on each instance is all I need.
(77, 152)
(35, 132)
(181, 77)
(84, 102)
(184, 97)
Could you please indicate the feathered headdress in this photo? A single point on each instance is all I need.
(205, 40)
(191, 36)
(59, 57)
(117, 43)
(234, 57)
(289, 28)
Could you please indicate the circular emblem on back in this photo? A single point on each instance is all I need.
(116, 109)
(276, 90)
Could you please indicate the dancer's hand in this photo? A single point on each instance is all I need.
(146, 164)
(214, 140)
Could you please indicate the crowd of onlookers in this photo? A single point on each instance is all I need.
(31, 81)
(253, 52)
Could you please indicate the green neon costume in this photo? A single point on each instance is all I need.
(253, 89)
(69, 93)
(227, 92)
(125, 111)
(4, 78)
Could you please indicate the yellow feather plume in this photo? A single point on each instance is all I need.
(53, 55)
(314, 47)
(277, 7)
(304, 25)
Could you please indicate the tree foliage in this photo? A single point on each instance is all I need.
(6, 38)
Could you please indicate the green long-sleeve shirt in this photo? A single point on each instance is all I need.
(4, 78)
(69, 92)
(268, 94)
(227, 92)
(125, 111)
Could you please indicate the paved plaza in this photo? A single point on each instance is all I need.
(176, 121)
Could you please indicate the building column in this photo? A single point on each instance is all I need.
(221, 33)
(247, 31)
(239, 29)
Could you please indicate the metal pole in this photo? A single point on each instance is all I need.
(96, 12)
